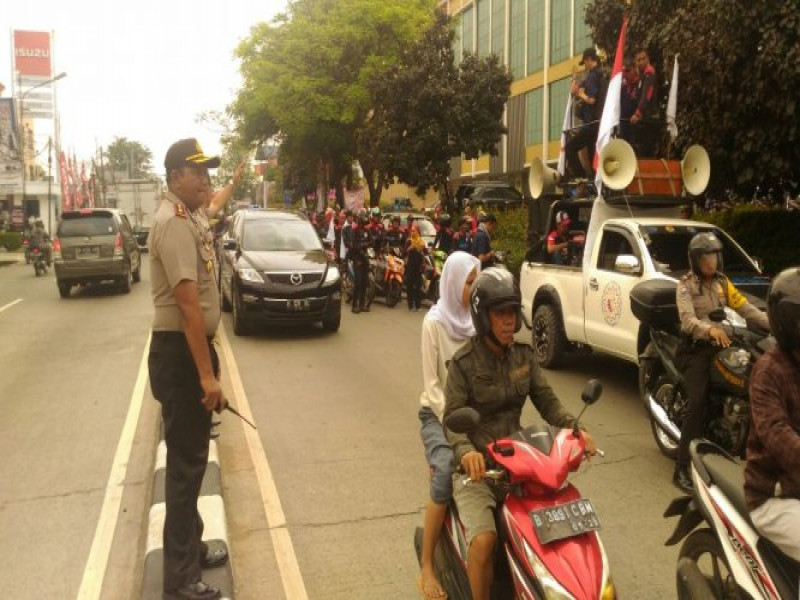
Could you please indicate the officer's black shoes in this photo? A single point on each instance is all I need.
(356, 310)
(682, 480)
(366, 308)
(193, 591)
(213, 558)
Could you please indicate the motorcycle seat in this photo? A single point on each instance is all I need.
(728, 476)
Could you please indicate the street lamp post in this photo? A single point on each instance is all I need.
(22, 132)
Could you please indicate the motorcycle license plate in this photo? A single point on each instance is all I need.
(565, 520)
(297, 305)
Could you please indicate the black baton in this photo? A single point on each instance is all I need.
(238, 414)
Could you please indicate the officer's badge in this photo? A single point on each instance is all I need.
(180, 211)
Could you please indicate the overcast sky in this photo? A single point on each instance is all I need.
(142, 69)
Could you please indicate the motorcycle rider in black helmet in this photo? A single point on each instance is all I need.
(703, 289)
(495, 375)
(772, 474)
(444, 234)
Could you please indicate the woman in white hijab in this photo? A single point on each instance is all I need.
(445, 329)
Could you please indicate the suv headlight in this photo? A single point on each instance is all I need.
(248, 274)
(332, 276)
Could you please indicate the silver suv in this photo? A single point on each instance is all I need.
(94, 245)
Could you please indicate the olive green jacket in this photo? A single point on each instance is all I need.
(497, 388)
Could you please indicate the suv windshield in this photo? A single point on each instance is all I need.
(669, 248)
(263, 235)
(79, 225)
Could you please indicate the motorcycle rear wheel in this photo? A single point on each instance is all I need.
(703, 547)
(393, 293)
(662, 392)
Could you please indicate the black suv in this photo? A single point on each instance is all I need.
(274, 269)
(492, 195)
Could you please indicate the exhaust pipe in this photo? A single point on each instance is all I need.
(662, 419)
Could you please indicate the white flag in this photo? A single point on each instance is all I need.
(611, 109)
(672, 103)
(562, 156)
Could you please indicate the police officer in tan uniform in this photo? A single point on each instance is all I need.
(699, 292)
(184, 367)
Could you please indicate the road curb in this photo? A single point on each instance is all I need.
(211, 506)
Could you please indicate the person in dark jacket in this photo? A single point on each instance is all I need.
(462, 240)
(415, 249)
(444, 234)
(589, 98)
(357, 239)
(644, 121)
(772, 474)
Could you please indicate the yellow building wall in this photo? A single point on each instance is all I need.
(405, 191)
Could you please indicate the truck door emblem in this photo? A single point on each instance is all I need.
(611, 303)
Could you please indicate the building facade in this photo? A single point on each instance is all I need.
(541, 42)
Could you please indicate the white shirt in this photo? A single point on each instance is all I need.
(437, 350)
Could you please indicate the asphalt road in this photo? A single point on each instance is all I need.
(337, 420)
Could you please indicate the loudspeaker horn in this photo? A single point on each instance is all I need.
(541, 178)
(617, 164)
(696, 170)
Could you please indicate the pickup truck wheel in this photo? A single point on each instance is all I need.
(549, 340)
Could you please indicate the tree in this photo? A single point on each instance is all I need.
(739, 75)
(130, 157)
(427, 110)
(305, 75)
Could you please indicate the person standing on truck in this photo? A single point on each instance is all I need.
(644, 120)
(558, 241)
(702, 290)
(589, 97)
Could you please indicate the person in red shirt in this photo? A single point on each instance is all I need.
(558, 242)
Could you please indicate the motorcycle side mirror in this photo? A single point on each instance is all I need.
(592, 391)
(462, 420)
(717, 315)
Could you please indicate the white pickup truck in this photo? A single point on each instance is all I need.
(587, 304)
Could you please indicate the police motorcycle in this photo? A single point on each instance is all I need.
(653, 302)
(39, 260)
(547, 540)
(722, 555)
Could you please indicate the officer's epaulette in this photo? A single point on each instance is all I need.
(180, 211)
(465, 350)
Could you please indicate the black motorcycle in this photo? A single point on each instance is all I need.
(39, 260)
(663, 387)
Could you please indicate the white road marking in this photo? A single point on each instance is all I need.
(292, 579)
(10, 304)
(95, 570)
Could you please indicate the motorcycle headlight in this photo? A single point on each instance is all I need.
(737, 359)
(332, 276)
(248, 274)
(552, 589)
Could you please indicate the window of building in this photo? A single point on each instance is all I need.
(535, 36)
(467, 29)
(499, 28)
(560, 16)
(559, 90)
(484, 17)
(583, 36)
(516, 50)
(457, 47)
(533, 117)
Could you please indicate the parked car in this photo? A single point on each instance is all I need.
(94, 245)
(491, 196)
(274, 269)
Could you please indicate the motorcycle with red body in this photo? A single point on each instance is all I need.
(547, 541)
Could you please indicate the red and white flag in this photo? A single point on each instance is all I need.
(672, 103)
(611, 110)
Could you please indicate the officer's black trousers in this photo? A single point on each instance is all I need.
(360, 280)
(187, 425)
(694, 364)
(585, 137)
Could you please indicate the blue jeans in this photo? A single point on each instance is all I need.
(439, 455)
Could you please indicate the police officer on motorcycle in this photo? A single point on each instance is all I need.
(495, 375)
(703, 289)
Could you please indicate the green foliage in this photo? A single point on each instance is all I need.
(132, 157)
(305, 76)
(427, 110)
(739, 75)
(511, 237)
(11, 240)
(769, 234)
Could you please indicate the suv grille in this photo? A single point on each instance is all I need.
(286, 278)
